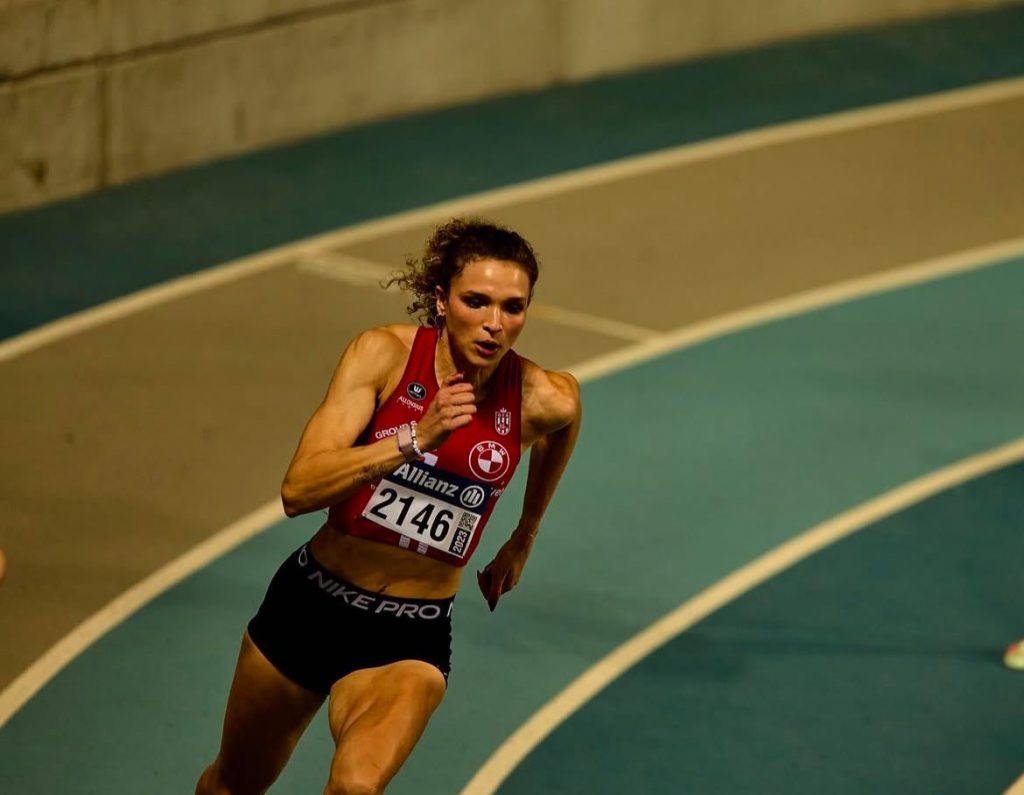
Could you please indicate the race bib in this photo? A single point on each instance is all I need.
(429, 507)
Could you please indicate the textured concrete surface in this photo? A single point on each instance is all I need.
(187, 82)
(281, 83)
(45, 34)
(50, 137)
(135, 24)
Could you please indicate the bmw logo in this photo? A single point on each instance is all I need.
(416, 391)
(489, 461)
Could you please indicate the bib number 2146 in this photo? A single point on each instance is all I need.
(428, 520)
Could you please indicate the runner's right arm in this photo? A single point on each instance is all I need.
(327, 467)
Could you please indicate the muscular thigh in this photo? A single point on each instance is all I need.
(378, 714)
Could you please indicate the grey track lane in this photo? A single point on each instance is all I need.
(697, 240)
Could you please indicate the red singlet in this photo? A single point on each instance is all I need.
(438, 505)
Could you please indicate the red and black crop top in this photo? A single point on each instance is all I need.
(438, 505)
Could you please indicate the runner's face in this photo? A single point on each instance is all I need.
(485, 310)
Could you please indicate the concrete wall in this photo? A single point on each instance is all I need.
(99, 92)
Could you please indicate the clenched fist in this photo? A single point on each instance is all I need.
(452, 408)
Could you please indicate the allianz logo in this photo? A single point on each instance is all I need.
(471, 496)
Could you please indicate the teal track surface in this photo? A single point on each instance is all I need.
(137, 235)
(742, 443)
(821, 436)
(872, 666)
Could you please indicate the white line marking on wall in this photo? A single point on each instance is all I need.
(606, 670)
(492, 200)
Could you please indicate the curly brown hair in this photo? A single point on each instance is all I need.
(452, 247)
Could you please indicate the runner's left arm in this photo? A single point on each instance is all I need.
(554, 409)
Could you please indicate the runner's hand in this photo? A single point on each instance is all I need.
(502, 574)
(452, 408)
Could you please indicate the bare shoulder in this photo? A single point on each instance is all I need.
(375, 354)
(385, 342)
(551, 399)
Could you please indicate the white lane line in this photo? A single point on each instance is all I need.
(58, 656)
(101, 622)
(492, 200)
(359, 272)
(802, 303)
(605, 671)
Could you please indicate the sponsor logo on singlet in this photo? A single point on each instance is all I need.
(416, 390)
(489, 461)
(428, 507)
(406, 402)
(503, 421)
(426, 481)
(473, 496)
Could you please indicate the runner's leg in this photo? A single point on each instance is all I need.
(376, 717)
(265, 716)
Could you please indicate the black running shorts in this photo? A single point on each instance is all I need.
(315, 628)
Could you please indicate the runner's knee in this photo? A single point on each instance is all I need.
(219, 779)
(210, 783)
(355, 782)
(418, 679)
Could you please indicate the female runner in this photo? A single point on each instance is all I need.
(419, 434)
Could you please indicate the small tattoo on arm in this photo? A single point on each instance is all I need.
(372, 472)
